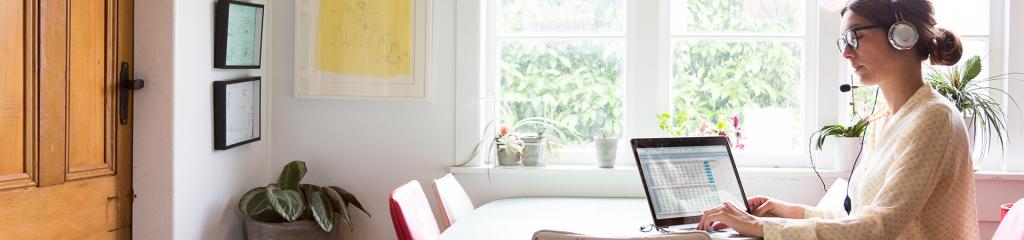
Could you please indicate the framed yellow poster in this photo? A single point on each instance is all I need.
(362, 49)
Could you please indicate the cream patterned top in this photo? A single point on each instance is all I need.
(916, 182)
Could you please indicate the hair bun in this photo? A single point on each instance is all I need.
(946, 49)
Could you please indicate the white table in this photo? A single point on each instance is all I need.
(519, 218)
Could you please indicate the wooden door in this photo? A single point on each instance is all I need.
(65, 158)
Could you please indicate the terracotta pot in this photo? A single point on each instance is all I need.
(304, 229)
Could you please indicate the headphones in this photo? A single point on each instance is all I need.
(902, 34)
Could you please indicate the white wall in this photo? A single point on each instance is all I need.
(208, 183)
(366, 147)
(371, 147)
(187, 190)
(153, 144)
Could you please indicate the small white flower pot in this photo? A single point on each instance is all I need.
(607, 148)
(847, 149)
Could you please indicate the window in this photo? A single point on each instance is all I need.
(741, 58)
(970, 20)
(966, 19)
(569, 61)
(561, 60)
(598, 66)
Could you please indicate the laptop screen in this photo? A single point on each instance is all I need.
(684, 180)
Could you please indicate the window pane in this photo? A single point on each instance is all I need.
(562, 16)
(759, 81)
(574, 82)
(866, 94)
(760, 16)
(962, 17)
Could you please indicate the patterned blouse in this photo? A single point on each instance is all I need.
(917, 181)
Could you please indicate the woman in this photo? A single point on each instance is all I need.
(915, 180)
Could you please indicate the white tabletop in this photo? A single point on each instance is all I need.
(519, 218)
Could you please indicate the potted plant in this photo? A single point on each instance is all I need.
(288, 209)
(535, 149)
(976, 101)
(509, 146)
(511, 134)
(681, 125)
(607, 145)
(847, 141)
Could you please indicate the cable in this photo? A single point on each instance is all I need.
(813, 167)
(847, 203)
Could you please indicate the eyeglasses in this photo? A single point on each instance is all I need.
(851, 38)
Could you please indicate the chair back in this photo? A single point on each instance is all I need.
(452, 200)
(411, 214)
(562, 235)
(1012, 226)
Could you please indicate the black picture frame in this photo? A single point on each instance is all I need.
(236, 112)
(238, 35)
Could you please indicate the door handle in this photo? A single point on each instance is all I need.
(124, 85)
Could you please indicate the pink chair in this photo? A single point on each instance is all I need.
(452, 200)
(411, 214)
(1012, 226)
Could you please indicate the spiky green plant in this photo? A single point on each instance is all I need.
(973, 97)
(836, 130)
(288, 200)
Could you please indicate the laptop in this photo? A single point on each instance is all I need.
(683, 177)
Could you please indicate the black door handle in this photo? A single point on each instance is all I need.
(125, 85)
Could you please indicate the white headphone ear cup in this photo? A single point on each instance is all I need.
(902, 35)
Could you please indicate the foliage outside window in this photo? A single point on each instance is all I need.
(758, 77)
(562, 60)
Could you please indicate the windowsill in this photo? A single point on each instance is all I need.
(556, 169)
(746, 171)
(998, 176)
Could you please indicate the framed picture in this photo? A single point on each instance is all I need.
(357, 49)
(236, 112)
(238, 35)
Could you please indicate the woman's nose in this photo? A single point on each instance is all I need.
(847, 52)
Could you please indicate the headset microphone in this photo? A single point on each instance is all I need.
(847, 87)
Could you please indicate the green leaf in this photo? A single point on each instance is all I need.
(291, 175)
(322, 212)
(254, 202)
(305, 190)
(288, 203)
(339, 205)
(347, 197)
(972, 68)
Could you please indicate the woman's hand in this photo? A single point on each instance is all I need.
(763, 206)
(727, 215)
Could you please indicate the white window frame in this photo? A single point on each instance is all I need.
(823, 71)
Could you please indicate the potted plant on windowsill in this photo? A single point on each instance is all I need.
(510, 147)
(288, 209)
(607, 144)
(535, 149)
(679, 125)
(847, 141)
(977, 102)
